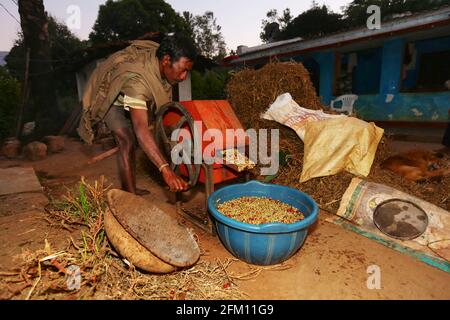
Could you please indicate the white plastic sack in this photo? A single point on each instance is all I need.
(287, 112)
(333, 143)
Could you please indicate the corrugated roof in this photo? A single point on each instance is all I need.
(389, 26)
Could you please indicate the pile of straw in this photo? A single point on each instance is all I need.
(251, 92)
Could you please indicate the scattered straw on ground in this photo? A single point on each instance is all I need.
(251, 93)
(52, 274)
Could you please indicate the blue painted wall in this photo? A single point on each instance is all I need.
(423, 47)
(326, 61)
(389, 103)
(393, 51)
(420, 107)
(367, 74)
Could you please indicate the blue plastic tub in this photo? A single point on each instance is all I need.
(265, 244)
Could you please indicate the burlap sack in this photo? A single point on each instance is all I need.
(334, 145)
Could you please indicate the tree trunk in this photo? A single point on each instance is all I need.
(45, 109)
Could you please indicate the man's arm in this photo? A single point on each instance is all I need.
(147, 142)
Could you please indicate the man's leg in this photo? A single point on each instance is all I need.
(122, 131)
(125, 158)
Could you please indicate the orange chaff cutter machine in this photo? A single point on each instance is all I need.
(197, 118)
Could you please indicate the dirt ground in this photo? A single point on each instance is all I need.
(332, 264)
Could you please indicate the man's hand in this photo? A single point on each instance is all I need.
(148, 144)
(175, 183)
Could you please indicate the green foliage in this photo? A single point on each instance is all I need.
(209, 85)
(274, 25)
(306, 24)
(9, 103)
(63, 45)
(131, 19)
(356, 12)
(84, 201)
(319, 20)
(84, 204)
(206, 34)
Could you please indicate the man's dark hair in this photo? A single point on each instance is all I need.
(176, 46)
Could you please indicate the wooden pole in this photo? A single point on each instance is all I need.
(104, 155)
(34, 23)
(25, 94)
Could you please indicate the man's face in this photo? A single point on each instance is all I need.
(175, 72)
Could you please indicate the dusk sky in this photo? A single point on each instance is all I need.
(240, 20)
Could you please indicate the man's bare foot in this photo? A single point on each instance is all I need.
(142, 192)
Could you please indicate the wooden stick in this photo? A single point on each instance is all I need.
(104, 155)
(25, 95)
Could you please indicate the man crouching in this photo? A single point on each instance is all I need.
(131, 85)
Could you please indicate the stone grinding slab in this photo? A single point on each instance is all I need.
(154, 229)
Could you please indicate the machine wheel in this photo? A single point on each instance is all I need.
(163, 136)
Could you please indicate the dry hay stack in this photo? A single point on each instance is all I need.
(251, 93)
